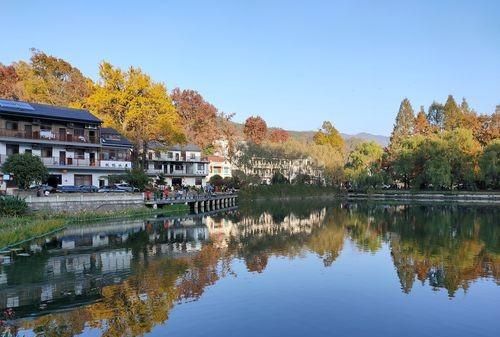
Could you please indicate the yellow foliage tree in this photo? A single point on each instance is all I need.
(132, 103)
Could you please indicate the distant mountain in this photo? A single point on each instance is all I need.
(356, 138)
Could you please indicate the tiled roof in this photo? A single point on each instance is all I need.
(122, 141)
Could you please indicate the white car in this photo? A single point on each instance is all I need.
(126, 188)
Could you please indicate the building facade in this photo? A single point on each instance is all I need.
(179, 165)
(218, 165)
(70, 142)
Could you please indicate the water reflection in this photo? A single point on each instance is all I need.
(123, 278)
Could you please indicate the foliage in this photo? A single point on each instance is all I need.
(9, 86)
(255, 129)
(489, 162)
(198, 117)
(363, 167)
(132, 103)
(278, 136)
(26, 168)
(12, 206)
(453, 115)
(216, 180)
(404, 126)
(279, 178)
(328, 135)
(135, 177)
(51, 80)
(243, 179)
(422, 126)
(435, 116)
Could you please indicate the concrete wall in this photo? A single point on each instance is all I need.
(86, 202)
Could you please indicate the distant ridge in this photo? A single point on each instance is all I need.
(307, 135)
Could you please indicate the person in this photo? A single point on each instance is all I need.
(39, 192)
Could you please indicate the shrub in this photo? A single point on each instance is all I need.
(12, 206)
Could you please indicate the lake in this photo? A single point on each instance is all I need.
(265, 269)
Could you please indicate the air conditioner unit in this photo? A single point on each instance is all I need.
(36, 121)
(71, 124)
(89, 126)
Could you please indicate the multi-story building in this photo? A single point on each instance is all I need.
(70, 142)
(265, 168)
(218, 165)
(178, 164)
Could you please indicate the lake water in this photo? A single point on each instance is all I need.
(338, 269)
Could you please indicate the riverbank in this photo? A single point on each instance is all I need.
(15, 230)
(297, 192)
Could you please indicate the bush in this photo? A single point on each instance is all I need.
(26, 168)
(12, 206)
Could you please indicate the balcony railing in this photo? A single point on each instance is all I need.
(48, 135)
(58, 161)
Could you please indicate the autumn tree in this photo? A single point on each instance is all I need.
(278, 136)
(329, 135)
(422, 125)
(51, 80)
(141, 109)
(9, 86)
(255, 129)
(198, 117)
(404, 126)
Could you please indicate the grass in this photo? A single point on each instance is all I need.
(14, 230)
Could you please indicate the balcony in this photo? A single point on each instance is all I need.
(69, 162)
(49, 136)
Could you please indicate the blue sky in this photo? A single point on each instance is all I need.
(295, 63)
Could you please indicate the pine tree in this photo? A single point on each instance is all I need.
(422, 125)
(405, 122)
(435, 115)
(453, 116)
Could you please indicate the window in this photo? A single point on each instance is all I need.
(46, 152)
(192, 155)
(11, 125)
(79, 154)
(157, 154)
(178, 167)
(198, 181)
(12, 149)
(157, 166)
(201, 167)
(170, 155)
(226, 170)
(78, 132)
(28, 151)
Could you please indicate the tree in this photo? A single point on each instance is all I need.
(278, 178)
(51, 80)
(422, 125)
(9, 86)
(435, 116)
(26, 169)
(278, 136)
(489, 162)
(453, 116)
(216, 180)
(328, 135)
(363, 167)
(404, 126)
(462, 151)
(135, 105)
(255, 129)
(198, 117)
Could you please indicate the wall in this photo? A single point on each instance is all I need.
(86, 202)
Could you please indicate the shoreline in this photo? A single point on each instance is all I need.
(403, 196)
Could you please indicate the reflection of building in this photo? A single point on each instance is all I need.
(265, 168)
(70, 142)
(179, 165)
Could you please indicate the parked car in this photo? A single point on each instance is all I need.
(108, 189)
(127, 187)
(67, 189)
(88, 188)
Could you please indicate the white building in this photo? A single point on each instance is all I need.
(70, 142)
(218, 165)
(178, 164)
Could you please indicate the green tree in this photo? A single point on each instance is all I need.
(216, 180)
(489, 162)
(278, 178)
(453, 116)
(435, 115)
(26, 168)
(462, 151)
(132, 103)
(404, 125)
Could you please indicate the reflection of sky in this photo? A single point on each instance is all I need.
(357, 296)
